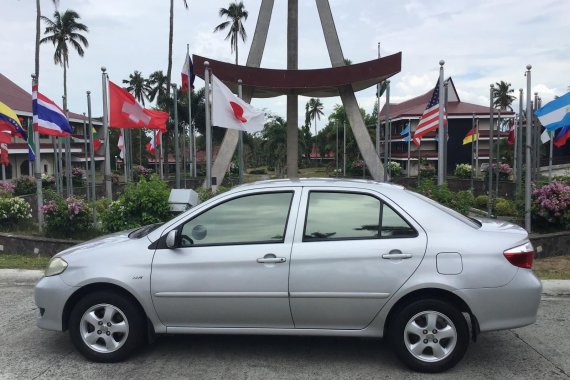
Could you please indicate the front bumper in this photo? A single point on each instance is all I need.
(510, 306)
(50, 295)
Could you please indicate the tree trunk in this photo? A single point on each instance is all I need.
(37, 57)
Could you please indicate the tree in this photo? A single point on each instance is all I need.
(315, 112)
(138, 86)
(38, 33)
(65, 29)
(234, 13)
(274, 144)
(502, 96)
(158, 84)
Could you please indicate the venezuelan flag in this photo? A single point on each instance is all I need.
(470, 136)
(8, 116)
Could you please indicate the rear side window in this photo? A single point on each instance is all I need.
(346, 216)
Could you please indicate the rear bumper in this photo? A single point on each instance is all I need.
(50, 295)
(510, 306)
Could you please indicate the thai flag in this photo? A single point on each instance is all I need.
(49, 119)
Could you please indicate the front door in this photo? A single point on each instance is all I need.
(232, 269)
(352, 251)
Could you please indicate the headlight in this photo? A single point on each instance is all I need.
(56, 266)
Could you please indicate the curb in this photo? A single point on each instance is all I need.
(556, 288)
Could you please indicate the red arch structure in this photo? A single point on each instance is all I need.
(267, 83)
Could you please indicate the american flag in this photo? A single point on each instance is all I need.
(430, 118)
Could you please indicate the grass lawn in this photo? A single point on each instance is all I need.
(552, 268)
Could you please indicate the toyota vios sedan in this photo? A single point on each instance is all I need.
(299, 257)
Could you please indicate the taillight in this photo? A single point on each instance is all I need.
(521, 256)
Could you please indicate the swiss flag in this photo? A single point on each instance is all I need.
(126, 112)
(229, 111)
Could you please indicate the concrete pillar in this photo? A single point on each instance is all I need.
(292, 99)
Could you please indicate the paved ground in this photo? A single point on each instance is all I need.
(540, 351)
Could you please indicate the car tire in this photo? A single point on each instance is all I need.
(106, 327)
(429, 335)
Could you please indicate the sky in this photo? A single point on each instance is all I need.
(482, 42)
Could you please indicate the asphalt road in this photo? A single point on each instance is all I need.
(540, 351)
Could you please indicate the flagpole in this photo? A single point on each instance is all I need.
(208, 126)
(527, 221)
(378, 113)
(176, 138)
(440, 130)
(122, 132)
(55, 164)
(473, 136)
(85, 157)
(336, 148)
(108, 183)
(498, 153)
(409, 146)
(161, 159)
(67, 142)
(190, 129)
(519, 139)
(92, 161)
(445, 130)
(477, 149)
(38, 167)
(240, 146)
(535, 141)
(386, 131)
(30, 129)
(344, 149)
(490, 168)
(156, 151)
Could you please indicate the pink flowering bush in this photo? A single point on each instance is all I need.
(140, 171)
(6, 189)
(65, 217)
(551, 205)
(503, 169)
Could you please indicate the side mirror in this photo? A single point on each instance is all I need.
(172, 239)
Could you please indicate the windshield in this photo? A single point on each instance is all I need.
(144, 230)
(472, 222)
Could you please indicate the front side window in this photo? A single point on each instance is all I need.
(258, 218)
(345, 216)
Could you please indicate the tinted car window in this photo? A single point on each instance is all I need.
(393, 225)
(341, 216)
(259, 218)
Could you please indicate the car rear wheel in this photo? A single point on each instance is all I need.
(106, 327)
(430, 335)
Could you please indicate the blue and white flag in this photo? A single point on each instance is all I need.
(406, 138)
(406, 130)
(49, 119)
(555, 114)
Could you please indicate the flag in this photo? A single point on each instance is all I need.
(126, 112)
(406, 130)
(406, 138)
(151, 145)
(229, 111)
(10, 120)
(31, 146)
(4, 160)
(187, 74)
(511, 138)
(5, 136)
(545, 136)
(555, 114)
(49, 119)
(470, 136)
(97, 142)
(121, 144)
(562, 136)
(430, 118)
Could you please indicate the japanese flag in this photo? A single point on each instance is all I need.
(229, 111)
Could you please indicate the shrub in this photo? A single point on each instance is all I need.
(48, 182)
(6, 189)
(258, 171)
(24, 185)
(144, 202)
(205, 194)
(504, 171)
(481, 202)
(14, 210)
(140, 171)
(394, 168)
(77, 177)
(505, 207)
(463, 170)
(551, 205)
(427, 171)
(462, 201)
(65, 218)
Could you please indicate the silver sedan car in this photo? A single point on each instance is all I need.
(298, 257)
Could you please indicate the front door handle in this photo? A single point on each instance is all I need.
(396, 255)
(270, 258)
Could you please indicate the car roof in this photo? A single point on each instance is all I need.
(301, 182)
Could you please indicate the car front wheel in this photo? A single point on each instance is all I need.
(106, 327)
(430, 335)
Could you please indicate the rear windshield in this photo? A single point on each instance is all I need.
(472, 222)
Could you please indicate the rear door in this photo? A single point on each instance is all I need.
(352, 250)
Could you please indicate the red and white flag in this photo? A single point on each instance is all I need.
(430, 118)
(187, 75)
(4, 160)
(121, 144)
(152, 144)
(126, 112)
(229, 111)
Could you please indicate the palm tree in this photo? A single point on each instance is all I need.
(38, 33)
(158, 84)
(138, 86)
(502, 96)
(275, 142)
(234, 13)
(63, 29)
(315, 112)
